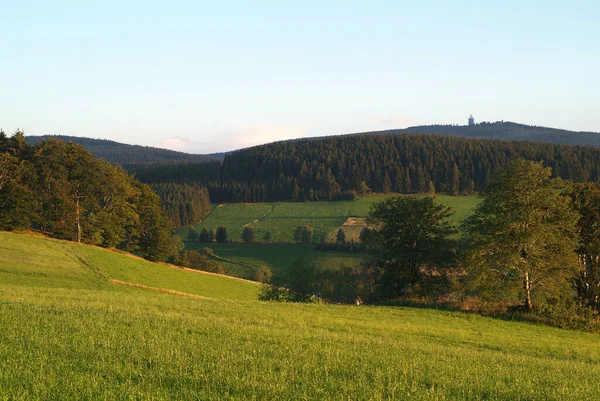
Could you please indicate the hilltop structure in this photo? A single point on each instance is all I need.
(471, 121)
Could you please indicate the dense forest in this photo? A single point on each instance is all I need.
(123, 154)
(61, 190)
(184, 203)
(333, 167)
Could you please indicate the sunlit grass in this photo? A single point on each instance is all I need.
(67, 333)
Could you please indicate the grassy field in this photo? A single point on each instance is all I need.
(277, 257)
(66, 332)
(282, 218)
(42, 262)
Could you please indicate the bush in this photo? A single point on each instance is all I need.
(200, 261)
(281, 294)
(262, 274)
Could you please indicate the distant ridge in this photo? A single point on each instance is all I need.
(505, 130)
(116, 152)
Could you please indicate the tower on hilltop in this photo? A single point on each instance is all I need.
(471, 121)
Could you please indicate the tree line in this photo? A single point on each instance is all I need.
(341, 166)
(60, 189)
(532, 247)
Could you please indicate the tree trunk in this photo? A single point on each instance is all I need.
(527, 285)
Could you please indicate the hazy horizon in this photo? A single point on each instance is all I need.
(206, 77)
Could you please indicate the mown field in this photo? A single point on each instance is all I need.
(66, 332)
(282, 218)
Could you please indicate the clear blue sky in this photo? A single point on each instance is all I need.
(206, 76)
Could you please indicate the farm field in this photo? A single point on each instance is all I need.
(66, 332)
(282, 218)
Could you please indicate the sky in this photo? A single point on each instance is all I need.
(208, 76)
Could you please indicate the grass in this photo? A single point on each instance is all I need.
(277, 257)
(67, 333)
(231, 216)
(282, 218)
(42, 262)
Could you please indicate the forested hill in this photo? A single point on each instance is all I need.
(325, 168)
(116, 152)
(506, 131)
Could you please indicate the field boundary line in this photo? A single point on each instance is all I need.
(163, 290)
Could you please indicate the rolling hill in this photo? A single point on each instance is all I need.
(505, 130)
(67, 332)
(124, 154)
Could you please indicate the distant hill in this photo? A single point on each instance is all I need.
(116, 152)
(507, 131)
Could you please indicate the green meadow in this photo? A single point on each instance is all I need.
(280, 219)
(68, 332)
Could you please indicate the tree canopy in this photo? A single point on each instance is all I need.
(522, 235)
(61, 190)
(410, 241)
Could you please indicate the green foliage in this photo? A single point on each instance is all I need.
(184, 203)
(267, 236)
(301, 276)
(522, 237)
(303, 234)
(340, 236)
(586, 201)
(262, 274)
(410, 242)
(61, 190)
(203, 236)
(199, 261)
(249, 234)
(221, 234)
(193, 235)
(316, 169)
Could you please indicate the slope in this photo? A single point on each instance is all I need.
(41, 262)
(67, 333)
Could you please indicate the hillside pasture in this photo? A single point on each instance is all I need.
(66, 332)
(281, 219)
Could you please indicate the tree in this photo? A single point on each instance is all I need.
(221, 234)
(203, 237)
(340, 236)
(267, 237)
(249, 234)
(192, 235)
(522, 236)
(586, 201)
(301, 276)
(303, 234)
(410, 242)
